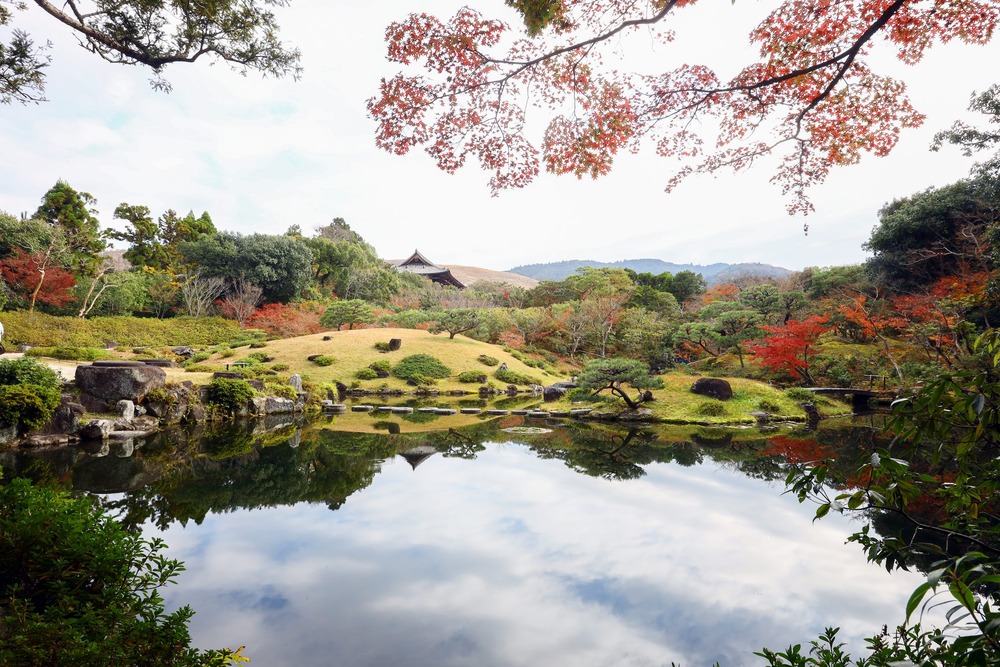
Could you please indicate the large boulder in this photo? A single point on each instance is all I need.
(122, 380)
(556, 391)
(713, 388)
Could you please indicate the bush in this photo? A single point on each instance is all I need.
(421, 381)
(487, 360)
(366, 374)
(258, 357)
(799, 394)
(765, 405)
(226, 353)
(28, 371)
(281, 389)
(512, 377)
(27, 406)
(228, 395)
(382, 346)
(471, 376)
(323, 360)
(78, 589)
(197, 358)
(69, 353)
(711, 409)
(381, 365)
(256, 345)
(280, 367)
(420, 365)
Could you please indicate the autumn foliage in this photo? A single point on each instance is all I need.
(792, 347)
(287, 320)
(21, 271)
(467, 83)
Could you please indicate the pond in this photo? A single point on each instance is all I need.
(582, 544)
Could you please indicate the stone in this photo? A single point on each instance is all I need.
(325, 338)
(557, 390)
(7, 434)
(66, 418)
(229, 375)
(395, 344)
(183, 351)
(162, 363)
(115, 383)
(97, 429)
(713, 388)
(125, 409)
(296, 382)
(278, 405)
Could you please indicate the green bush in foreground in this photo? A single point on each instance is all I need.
(77, 589)
(471, 376)
(323, 360)
(29, 393)
(512, 377)
(228, 395)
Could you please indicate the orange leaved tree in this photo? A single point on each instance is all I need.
(468, 83)
(792, 346)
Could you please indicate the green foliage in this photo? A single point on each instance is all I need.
(349, 312)
(70, 353)
(198, 357)
(281, 389)
(420, 366)
(612, 374)
(77, 589)
(258, 357)
(323, 360)
(41, 330)
(366, 374)
(382, 346)
(508, 376)
(229, 396)
(487, 360)
(280, 367)
(381, 365)
(711, 408)
(256, 345)
(945, 457)
(470, 376)
(800, 394)
(26, 406)
(765, 405)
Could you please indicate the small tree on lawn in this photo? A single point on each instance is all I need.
(457, 320)
(791, 347)
(349, 312)
(612, 373)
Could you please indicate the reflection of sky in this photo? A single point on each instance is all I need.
(511, 560)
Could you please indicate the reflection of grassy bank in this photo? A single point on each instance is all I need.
(675, 404)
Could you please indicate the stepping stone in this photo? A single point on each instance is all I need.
(498, 412)
(471, 411)
(446, 411)
(362, 408)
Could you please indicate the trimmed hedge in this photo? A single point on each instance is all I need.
(420, 368)
(40, 330)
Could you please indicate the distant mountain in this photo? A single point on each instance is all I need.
(712, 273)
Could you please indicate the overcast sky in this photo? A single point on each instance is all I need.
(261, 155)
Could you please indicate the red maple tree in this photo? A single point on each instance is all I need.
(812, 96)
(791, 347)
(34, 278)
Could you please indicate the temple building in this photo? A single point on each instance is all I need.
(417, 263)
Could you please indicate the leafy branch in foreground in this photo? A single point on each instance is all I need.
(932, 494)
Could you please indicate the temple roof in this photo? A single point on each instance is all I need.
(417, 263)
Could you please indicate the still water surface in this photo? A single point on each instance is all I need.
(508, 556)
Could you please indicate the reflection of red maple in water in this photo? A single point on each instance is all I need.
(797, 450)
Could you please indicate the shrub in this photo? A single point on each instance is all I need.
(28, 371)
(420, 365)
(382, 346)
(198, 357)
(323, 360)
(512, 377)
(471, 376)
(79, 589)
(26, 406)
(282, 389)
(366, 374)
(419, 380)
(487, 360)
(768, 406)
(228, 395)
(711, 408)
(381, 365)
(799, 394)
(256, 345)
(226, 353)
(280, 367)
(258, 357)
(70, 353)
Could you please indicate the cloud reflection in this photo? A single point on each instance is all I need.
(512, 560)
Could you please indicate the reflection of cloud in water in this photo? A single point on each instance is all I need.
(512, 560)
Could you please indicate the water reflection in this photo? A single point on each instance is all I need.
(588, 545)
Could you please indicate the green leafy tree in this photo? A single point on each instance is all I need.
(78, 589)
(75, 216)
(280, 265)
(243, 34)
(456, 320)
(29, 393)
(613, 374)
(349, 312)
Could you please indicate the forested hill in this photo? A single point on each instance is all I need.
(712, 273)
